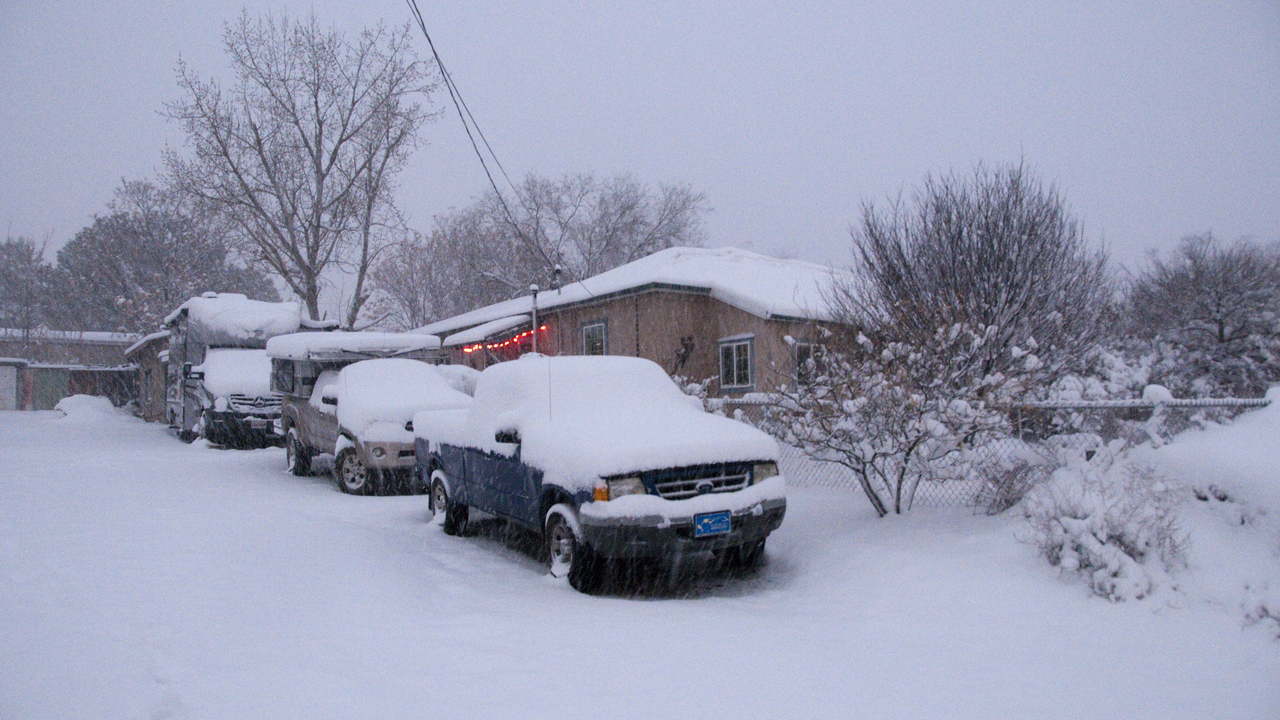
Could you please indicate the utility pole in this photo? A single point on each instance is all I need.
(534, 289)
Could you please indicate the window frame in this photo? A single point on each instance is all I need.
(815, 351)
(604, 335)
(733, 344)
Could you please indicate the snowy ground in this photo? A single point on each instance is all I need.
(143, 578)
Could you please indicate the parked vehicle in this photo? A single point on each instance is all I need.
(606, 459)
(358, 410)
(218, 377)
(239, 407)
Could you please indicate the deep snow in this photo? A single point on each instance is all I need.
(147, 578)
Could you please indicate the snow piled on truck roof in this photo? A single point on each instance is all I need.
(389, 391)
(761, 285)
(236, 316)
(583, 418)
(318, 345)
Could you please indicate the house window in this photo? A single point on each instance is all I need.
(595, 338)
(735, 362)
(808, 357)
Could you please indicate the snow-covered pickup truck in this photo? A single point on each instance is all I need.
(607, 459)
(361, 414)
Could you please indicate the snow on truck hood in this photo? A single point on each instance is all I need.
(236, 370)
(582, 418)
(389, 391)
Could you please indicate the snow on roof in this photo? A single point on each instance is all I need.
(761, 285)
(480, 332)
(237, 317)
(87, 337)
(321, 345)
(153, 336)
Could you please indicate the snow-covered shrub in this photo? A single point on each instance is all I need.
(1112, 521)
(895, 414)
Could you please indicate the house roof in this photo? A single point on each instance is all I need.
(763, 286)
(141, 343)
(480, 333)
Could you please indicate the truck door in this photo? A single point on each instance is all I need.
(501, 483)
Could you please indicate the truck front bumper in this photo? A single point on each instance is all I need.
(656, 536)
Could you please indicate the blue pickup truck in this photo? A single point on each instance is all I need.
(606, 459)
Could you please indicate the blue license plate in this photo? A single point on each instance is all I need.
(711, 524)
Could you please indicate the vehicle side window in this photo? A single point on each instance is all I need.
(327, 383)
(282, 376)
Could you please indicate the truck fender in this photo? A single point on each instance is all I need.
(570, 516)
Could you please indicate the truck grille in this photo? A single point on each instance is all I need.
(681, 483)
(248, 403)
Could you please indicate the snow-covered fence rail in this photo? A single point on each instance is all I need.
(1033, 423)
(1144, 404)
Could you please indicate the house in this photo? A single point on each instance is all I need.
(151, 356)
(42, 366)
(742, 320)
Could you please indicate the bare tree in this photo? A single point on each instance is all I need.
(1209, 293)
(997, 251)
(302, 150)
(150, 253)
(495, 248)
(1209, 317)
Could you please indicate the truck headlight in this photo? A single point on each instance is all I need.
(763, 471)
(625, 486)
(379, 453)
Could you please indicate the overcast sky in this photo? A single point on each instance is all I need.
(1156, 120)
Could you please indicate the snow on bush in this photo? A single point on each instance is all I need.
(1109, 519)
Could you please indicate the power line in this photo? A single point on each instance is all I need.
(464, 114)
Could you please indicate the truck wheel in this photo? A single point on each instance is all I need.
(353, 477)
(570, 556)
(455, 514)
(296, 456)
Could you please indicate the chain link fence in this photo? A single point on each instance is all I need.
(1002, 470)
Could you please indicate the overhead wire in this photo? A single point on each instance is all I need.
(469, 121)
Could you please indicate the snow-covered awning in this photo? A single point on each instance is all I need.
(153, 336)
(347, 345)
(480, 333)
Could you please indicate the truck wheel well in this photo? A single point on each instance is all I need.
(552, 496)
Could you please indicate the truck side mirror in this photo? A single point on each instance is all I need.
(189, 373)
(328, 400)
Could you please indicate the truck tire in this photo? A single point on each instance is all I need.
(455, 514)
(354, 478)
(569, 555)
(297, 457)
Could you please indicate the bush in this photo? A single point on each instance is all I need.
(1111, 521)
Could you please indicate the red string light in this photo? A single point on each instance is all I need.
(495, 346)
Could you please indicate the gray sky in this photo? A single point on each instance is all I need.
(1156, 119)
